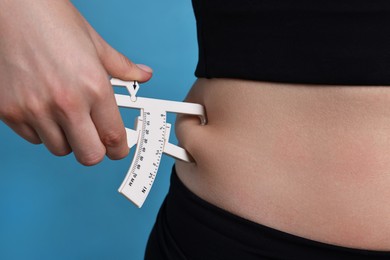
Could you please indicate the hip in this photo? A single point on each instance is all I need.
(188, 227)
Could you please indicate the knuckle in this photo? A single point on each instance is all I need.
(12, 114)
(61, 97)
(118, 155)
(34, 140)
(91, 159)
(31, 136)
(91, 85)
(96, 85)
(62, 151)
(64, 103)
(35, 109)
(113, 139)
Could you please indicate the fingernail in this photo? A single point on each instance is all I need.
(145, 68)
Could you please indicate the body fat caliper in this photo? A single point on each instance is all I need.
(151, 137)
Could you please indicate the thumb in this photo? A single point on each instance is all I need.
(119, 66)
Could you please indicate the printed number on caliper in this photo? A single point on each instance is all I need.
(151, 136)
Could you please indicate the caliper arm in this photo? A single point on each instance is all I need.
(169, 149)
(151, 138)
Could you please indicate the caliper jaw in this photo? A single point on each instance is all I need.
(151, 137)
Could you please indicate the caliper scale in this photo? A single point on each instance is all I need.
(151, 137)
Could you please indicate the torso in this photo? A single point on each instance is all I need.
(310, 160)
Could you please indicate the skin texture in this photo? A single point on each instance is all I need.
(54, 74)
(311, 160)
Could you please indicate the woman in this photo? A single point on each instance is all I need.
(305, 154)
(293, 162)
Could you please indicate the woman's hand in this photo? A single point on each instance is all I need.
(54, 85)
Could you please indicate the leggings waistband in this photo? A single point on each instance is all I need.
(188, 227)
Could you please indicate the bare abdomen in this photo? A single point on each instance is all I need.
(310, 160)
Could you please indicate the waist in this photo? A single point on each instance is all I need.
(310, 160)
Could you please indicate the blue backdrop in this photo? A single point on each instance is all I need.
(52, 207)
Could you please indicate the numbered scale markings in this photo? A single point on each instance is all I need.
(151, 136)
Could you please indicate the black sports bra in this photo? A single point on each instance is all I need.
(298, 41)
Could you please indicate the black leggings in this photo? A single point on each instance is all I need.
(187, 227)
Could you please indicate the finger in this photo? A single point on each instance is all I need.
(83, 138)
(119, 66)
(116, 64)
(52, 136)
(107, 119)
(25, 131)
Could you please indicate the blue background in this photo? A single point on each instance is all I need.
(52, 207)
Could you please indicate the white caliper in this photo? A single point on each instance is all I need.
(151, 137)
